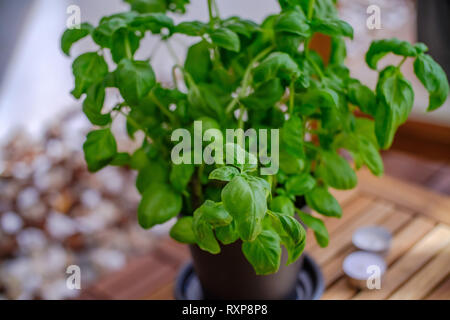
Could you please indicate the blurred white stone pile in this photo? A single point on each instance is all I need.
(54, 213)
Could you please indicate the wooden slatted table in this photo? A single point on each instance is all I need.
(418, 262)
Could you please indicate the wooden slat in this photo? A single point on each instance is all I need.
(407, 195)
(442, 292)
(426, 279)
(165, 293)
(441, 211)
(403, 240)
(409, 236)
(350, 210)
(333, 269)
(410, 263)
(342, 239)
(90, 294)
(172, 252)
(141, 278)
(345, 196)
(341, 290)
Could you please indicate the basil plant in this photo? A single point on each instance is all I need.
(243, 75)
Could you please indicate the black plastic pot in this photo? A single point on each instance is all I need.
(309, 282)
(229, 276)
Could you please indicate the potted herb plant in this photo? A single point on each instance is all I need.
(244, 75)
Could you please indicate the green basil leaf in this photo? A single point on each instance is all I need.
(71, 36)
(282, 204)
(154, 22)
(146, 6)
(370, 156)
(212, 213)
(290, 164)
(336, 171)
(209, 216)
(338, 51)
(127, 17)
(159, 204)
(226, 39)
(265, 95)
(226, 173)
(396, 97)
(241, 26)
(433, 78)
(366, 128)
(324, 9)
(264, 252)
(103, 34)
(292, 227)
(242, 159)
(150, 6)
(294, 22)
(182, 231)
(291, 136)
(181, 175)
(332, 120)
(204, 101)
(135, 79)
(124, 43)
(89, 68)
(288, 43)
(198, 62)
(298, 185)
(139, 159)
(420, 47)
(257, 181)
(324, 98)
(206, 240)
(363, 97)
(121, 159)
(287, 4)
(332, 27)
(154, 172)
(192, 28)
(317, 225)
(227, 234)
(93, 105)
(100, 149)
(294, 250)
(277, 64)
(379, 48)
(320, 200)
(246, 202)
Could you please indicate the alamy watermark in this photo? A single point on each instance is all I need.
(73, 281)
(374, 280)
(74, 19)
(228, 150)
(374, 20)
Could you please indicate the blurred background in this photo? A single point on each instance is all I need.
(53, 213)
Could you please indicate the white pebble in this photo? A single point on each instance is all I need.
(27, 198)
(60, 226)
(11, 222)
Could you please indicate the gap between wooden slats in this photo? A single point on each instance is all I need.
(426, 279)
(442, 291)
